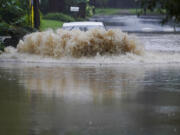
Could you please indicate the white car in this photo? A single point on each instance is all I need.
(83, 26)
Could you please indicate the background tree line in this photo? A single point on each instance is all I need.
(15, 22)
(171, 7)
(64, 6)
(116, 3)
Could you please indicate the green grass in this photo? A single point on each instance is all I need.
(59, 17)
(107, 11)
(50, 24)
(134, 11)
(140, 11)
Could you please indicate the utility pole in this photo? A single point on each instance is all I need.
(34, 15)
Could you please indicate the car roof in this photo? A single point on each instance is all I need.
(83, 24)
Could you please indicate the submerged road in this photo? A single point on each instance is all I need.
(132, 23)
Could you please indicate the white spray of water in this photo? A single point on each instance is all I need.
(77, 43)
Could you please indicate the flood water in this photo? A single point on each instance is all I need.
(132, 23)
(100, 95)
(96, 100)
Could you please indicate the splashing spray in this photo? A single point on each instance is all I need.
(78, 43)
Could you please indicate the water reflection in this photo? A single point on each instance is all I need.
(83, 84)
(68, 100)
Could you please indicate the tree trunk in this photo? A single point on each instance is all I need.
(93, 3)
(82, 12)
(36, 14)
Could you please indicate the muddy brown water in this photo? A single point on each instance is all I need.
(84, 99)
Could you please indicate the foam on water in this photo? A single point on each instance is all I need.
(92, 47)
(128, 58)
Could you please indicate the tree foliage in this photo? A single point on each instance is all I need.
(14, 19)
(101, 3)
(44, 6)
(172, 7)
(12, 12)
(59, 5)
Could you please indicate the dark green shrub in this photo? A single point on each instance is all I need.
(59, 17)
(15, 32)
(14, 20)
(12, 13)
(2, 46)
(80, 19)
(89, 10)
(4, 28)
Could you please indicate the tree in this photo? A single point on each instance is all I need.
(56, 5)
(64, 6)
(44, 6)
(101, 3)
(14, 20)
(172, 8)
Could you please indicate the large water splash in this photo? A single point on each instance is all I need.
(77, 43)
(98, 47)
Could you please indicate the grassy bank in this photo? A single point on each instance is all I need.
(115, 11)
(56, 20)
(50, 24)
(134, 11)
(131, 11)
(148, 12)
(107, 11)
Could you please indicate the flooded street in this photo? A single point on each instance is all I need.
(132, 23)
(125, 94)
(92, 100)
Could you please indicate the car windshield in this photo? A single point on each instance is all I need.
(83, 28)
